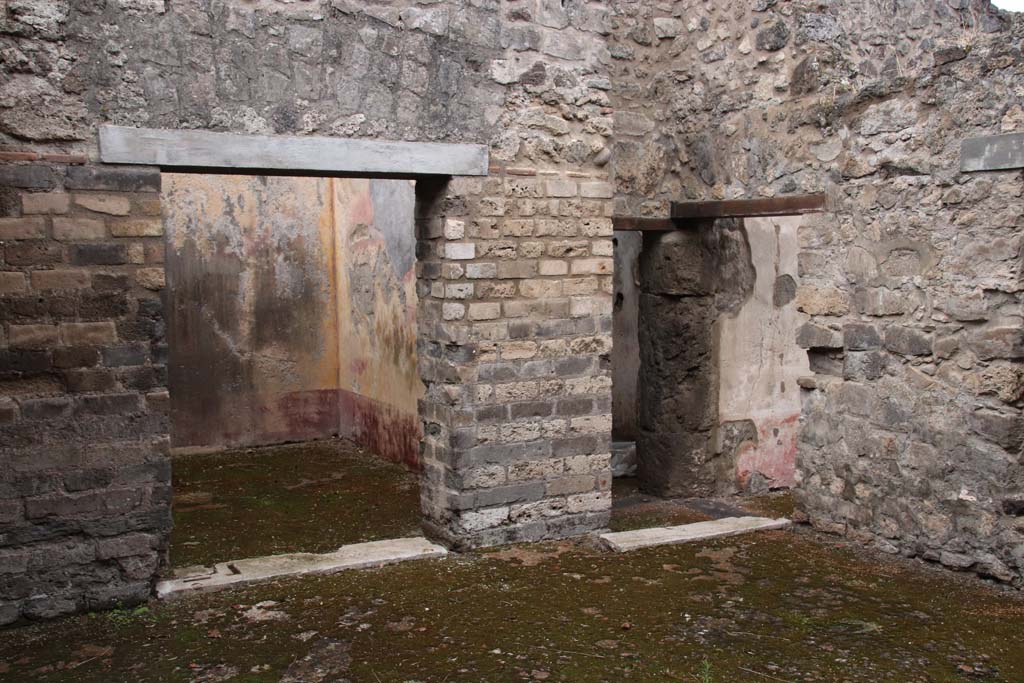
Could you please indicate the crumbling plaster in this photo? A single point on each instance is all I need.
(759, 363)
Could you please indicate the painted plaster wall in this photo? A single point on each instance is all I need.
(291, 311)
(378, 380)
(759, 361)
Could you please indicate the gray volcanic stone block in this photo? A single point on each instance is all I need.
(113, 178)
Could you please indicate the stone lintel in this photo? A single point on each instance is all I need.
(992, 153)
(335, 156)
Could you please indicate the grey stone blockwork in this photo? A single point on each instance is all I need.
(911, 431)
(84, 469)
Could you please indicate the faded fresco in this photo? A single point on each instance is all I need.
(759, 365)
(378, 380)
(291, 311)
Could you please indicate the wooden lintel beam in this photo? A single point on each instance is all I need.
(642, 224)
(750, 208)
(689, 214)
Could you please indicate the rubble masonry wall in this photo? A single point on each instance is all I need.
(911, 425)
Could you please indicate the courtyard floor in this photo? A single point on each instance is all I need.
(772, 606)
(633, 509)
(308, 497)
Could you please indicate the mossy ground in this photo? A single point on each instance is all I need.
(633, 509)
(776, 504)
(773, 606)
(309, 497)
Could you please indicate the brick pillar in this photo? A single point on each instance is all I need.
(515, 332)
(85, 475)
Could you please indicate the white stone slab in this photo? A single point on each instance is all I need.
(206, 149)
(992, 152)
(622, 541)
(355, 556)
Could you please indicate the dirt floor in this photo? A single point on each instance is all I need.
(311, 497)
(633, 509)
(773, 606)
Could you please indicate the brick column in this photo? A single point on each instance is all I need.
(515, 327)
(85, 487)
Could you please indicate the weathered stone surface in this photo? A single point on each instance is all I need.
(814, 336)
(773, 38)
(907, 341)
(112, 178)
(31, 108)
(728, 108)
(861, 337)
(998, 342)
(624, 541)
(28, 176)
(98, 456)
(817, 27)
(675, 263)
(114, 205)
(674, 465)
(257, 569)
(817, 300)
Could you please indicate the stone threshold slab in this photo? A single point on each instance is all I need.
(355, 556)
(623, 541)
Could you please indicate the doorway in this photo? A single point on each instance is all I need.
(291, 322)
(706, 325)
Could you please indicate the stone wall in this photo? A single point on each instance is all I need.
(84, 471)
(912, 280)
(749, 100)
(514, 270)
(911, 428)
(518, 404)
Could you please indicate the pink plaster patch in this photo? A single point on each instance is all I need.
(361, 210)
(774, 456)
(380, 428)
